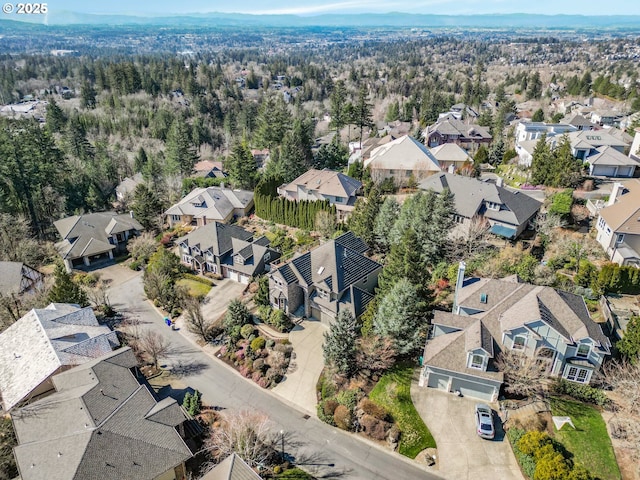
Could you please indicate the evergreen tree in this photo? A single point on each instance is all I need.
(387, 216)
(363, 218)
(337, 106)
(55, 117)
(88, 96)
(400, 317)
(629, 346)
(272, 123)
(180, 153)
(65, 290)
(333, 155)
(393, 112)
(140, 160)
(295, 156)
(242, 167)
(361, 114)
(538, 116)
(339, 346)
(237, 315)
(75, 141)
(496, 152)
(147, 207)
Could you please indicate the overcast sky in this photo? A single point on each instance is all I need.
(316, 7)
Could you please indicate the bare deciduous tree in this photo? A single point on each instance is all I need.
(246, 433)
(196, 323)
(154, 345)
(142, 247)
(522, 375)
(375, 353)
(623, 378)
(472, 238)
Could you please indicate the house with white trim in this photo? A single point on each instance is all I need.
(492, 315)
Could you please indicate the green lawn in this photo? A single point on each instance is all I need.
(196, 289)
(393, 393)
(589, 442)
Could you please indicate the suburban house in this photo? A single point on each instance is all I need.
(227, 250)
(584, 143)
(94, 237)
(490, 316)
(451, 130)
(208, 169)
(604, 153)
(47, 341)
(261, 157)
(606, 117)
(634, 151)
(401, 160)
(359, 152)
(102, 422)
(526, 131)
(578, 121)
(18, 278)
(231, 468)
(618, 225)
(335, 187)
(451, 156)
(321, 283)
(127, 187)
(460, 111)
(507, 213)
(211, 204)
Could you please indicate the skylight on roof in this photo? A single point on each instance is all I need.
(320, 270)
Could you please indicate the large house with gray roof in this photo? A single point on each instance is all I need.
(226, 250)
(211, 204)
(328, 279)
(94, 237)
(47, 341)
(453, 130)
(335, 187)
(507, 213)
(102, 423)
(489, 316)
(401, 160)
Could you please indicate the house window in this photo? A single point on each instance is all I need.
(458, 218)
(493, 206)
(175, 218)
(267, 256)
(340, 199)
(620, 238)
(577, 374)
(238, 259)
(483, 298)
(519, 342)
(323, 294)
(601, 223)
(392, 172)
(186, 259)
(608, 231)
(583, 350)
(477, 361)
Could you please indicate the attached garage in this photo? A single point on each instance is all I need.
(436, 380)
(324, 317)
(603, 170)
(233, 275)
(473, 389)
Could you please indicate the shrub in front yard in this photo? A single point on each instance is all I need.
(584, 393)
(374, 427)
(373, 409)
(343, 417)
(247, 330)
(258, 343)
(326, 409)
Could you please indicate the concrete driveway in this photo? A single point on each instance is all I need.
(219, 298)
(299, 384)
(462, 455)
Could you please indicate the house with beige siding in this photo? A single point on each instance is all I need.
(494, 315)
(208, 205)
(618, 224)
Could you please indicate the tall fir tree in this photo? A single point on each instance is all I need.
(387, 216)
(180, 152)
(241, 166)
(362, 220)
(362, 116)
(147, 207)
(339, 346)
(337, 106)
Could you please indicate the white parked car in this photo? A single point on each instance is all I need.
(484, 421)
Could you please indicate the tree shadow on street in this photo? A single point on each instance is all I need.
(185, 369)
(319, 464)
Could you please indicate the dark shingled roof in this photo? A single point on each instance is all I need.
(350, 240)
(231, 468)
(577, 305)
(100, 424)
(215, 236)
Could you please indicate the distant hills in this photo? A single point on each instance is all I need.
(393, 19)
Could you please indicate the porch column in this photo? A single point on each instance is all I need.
(110, 254)
(86, 261)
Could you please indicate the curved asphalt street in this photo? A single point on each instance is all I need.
(323, 450)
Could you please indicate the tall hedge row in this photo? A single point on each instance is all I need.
(616, 279)
(301, 214)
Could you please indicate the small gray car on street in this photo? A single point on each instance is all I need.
(484, 421)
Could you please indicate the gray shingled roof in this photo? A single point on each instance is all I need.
(471, 194)
(11, 276)
(216, 236)
(215, 203)
(100, 424)
(86, 235)
(325, 182)
(43, 341)
(349, 240)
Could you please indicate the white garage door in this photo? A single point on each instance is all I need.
(472, 389)
(244, 279)
(233, 276)
(604, 171)
(441, 382)
(625, 171)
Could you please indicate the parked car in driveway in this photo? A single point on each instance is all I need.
(484, 421)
